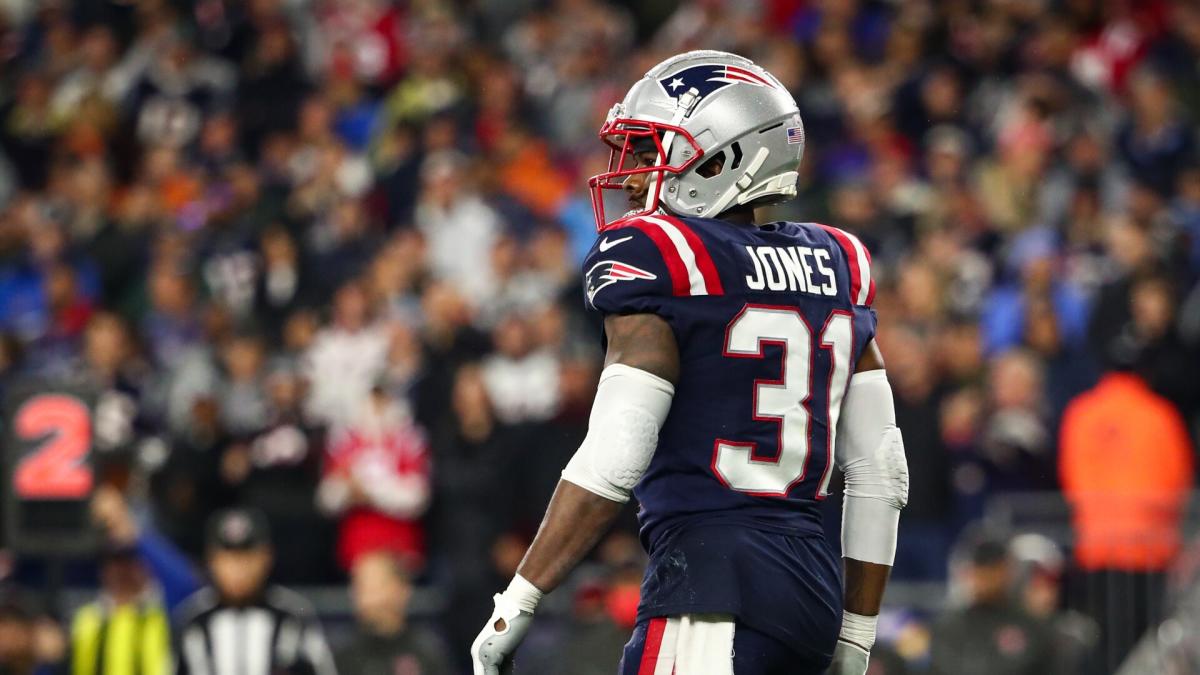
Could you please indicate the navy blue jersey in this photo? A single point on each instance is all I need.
(770, 321)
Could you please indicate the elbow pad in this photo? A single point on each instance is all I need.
(870, 452)
(630, 408)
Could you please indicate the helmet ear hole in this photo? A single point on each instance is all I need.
(713, 166)
(737, 155)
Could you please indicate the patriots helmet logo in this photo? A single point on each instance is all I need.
(608, 272)
(706, 79)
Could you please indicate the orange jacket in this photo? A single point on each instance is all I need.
(1126, 467)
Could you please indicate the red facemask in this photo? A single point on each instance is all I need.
(626, 138)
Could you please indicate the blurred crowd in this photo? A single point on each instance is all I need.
(319, 260)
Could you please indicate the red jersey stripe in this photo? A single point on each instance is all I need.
(704, 261)
(851, 259)
(650, 651)
(675, 266)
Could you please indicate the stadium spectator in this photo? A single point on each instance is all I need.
(472, 497)
(1040, 584)
(924, 542)
(376, 481)
(31, 643)
(30, 130)
(1016, 441)
(345, 357)
(1007, 307)
(173, 93)
(272, 82)
(170, 327)
(342, 235)
(186, 482)
(384, 642)
(277, 470)
(111, 364)
(459, 227)
(240, 385)
(1126, 506)
(1154, 142)
(283, 286)
(1159, 343)
(243, 619)
(989, 634)
(126, 629)
(1126, 465)
(95, 75)
(521, 379)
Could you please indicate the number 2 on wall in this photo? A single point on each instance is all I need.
(57, 468)
(785, 402)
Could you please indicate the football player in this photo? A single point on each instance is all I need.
(741, 366)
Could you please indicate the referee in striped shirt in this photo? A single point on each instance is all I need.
(240, 625)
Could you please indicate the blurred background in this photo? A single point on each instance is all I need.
(316, 261)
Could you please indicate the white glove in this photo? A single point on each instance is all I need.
(491, 653)
(848, 659)
(853, 650)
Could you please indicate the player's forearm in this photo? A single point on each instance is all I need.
(575, 521)
(865, 584)
(870, 451)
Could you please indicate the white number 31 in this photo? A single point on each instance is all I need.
(785, 402)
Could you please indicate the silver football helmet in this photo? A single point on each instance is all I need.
(691, 108)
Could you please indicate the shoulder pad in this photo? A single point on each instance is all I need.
(661, 253)
(858, 260)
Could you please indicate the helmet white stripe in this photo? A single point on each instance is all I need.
(652, 190)
(664, 158)
(695, 278)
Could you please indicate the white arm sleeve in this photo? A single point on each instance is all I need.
(870, 451)
(630, 408)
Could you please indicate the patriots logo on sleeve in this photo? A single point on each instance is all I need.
(608, 272)
(706, 79)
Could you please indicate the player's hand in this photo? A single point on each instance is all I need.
(848, 659)
(491, 653)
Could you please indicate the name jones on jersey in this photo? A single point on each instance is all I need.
(791, 268)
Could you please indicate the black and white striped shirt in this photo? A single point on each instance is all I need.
(277, 634)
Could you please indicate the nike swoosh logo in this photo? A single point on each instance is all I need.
(605, 244)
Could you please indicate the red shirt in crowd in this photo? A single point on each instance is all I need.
(377, 478)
